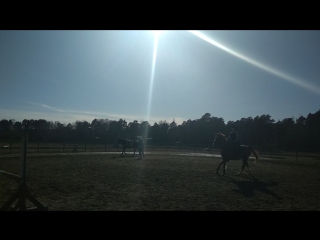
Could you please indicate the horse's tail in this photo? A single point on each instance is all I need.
(255, 153)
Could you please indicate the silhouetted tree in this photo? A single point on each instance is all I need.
(260, 131)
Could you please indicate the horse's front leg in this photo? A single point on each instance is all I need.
(217, 171)
(123, 151)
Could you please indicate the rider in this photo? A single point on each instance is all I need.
(234, 139)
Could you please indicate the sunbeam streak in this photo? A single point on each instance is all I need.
(284, 76)
(156, 38)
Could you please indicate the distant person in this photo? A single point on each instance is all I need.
(141, 147)
(234, 139)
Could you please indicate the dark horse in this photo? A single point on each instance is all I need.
(228, 153)
(126, 143)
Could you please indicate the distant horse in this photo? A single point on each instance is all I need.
(127, 143)
(227, 153)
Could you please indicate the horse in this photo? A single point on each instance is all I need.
(126, 143)
(228, 153)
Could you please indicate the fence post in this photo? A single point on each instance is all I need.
(10, 146)
(24, 151)
(85, 147)
(38, 146)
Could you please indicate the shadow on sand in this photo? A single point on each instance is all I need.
(247, 188)
(120, 156)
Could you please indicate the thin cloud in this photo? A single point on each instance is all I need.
(48, 107)
(71, 116)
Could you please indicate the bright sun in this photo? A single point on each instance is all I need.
(157, 32)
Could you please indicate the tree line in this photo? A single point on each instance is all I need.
(262, 131)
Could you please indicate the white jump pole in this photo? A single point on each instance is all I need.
(10, 175)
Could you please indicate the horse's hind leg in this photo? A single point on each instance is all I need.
(243, 165)
(224, 168)
(247, 164)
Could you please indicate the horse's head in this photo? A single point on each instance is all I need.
(219, 139)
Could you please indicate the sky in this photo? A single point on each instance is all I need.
(144, 75)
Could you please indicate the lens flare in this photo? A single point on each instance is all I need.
(284, 76)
